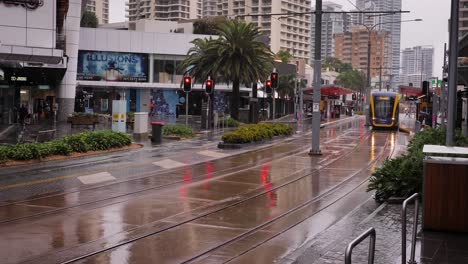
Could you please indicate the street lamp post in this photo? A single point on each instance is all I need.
(368, 90)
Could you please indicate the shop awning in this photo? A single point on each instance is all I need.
(410, 91)
(330, 90)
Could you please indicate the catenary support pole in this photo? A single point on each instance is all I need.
(453, 75)
(317, 81)
(443, 93)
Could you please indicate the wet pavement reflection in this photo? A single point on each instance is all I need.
(265, 184)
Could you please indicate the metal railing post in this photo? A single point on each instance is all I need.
(403, 229)
(349, 249)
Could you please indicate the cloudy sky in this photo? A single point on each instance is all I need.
(433, 30)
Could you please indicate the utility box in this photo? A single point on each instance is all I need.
(140, 130)
(445, 189)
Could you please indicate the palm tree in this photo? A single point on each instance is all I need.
(200, 61)
(236, 56)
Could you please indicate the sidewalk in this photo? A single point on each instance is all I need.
(431, 247)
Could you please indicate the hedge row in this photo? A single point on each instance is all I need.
(81, 142)
(403, 176)
(258, 132)
(178, 130)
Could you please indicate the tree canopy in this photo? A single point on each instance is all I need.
(334, 64)
(208, 25)
(89, 19)
(284, 56)
(236, 56)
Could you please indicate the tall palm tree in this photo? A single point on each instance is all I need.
(236, 56)
(241, 57)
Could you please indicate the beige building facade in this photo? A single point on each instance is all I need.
(288, 33)
(169, 10)
(351, 47)
(100, 8)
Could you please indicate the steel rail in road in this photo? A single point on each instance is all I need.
(236, 203)
(223, 172)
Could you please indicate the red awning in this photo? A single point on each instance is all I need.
(330, 90)
(410, 91)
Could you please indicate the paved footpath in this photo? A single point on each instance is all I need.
(431, 247)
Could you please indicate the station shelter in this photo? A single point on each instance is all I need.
(334, 101)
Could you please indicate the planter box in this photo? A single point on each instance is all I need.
(83, 120)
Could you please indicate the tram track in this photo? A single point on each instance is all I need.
(239, 202)
(222, 172)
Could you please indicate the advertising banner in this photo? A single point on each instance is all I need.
(112, 66)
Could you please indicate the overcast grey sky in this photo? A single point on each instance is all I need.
(433, 30)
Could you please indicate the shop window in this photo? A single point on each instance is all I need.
(165, 71)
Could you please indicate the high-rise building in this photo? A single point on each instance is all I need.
(388, 23)
(210, 8)
(289, 33)
(463, 18)
(332, 23)
(417, 65)
(100, 8)
(169, 10)
(351, 47)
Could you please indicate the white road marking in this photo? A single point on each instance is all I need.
(168, 164)
(96, 178)
(213, 154)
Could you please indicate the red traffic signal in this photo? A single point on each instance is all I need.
(187, 84)
(209, 86)
(274, 79)
(268, 86)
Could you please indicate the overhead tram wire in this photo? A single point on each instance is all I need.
(324, 12)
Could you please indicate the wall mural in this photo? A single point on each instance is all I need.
(30, 4)
(165, 102)
(220, 102)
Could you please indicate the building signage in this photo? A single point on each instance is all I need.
(30, 4)
(112, 66)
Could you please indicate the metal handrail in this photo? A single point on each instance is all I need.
(403, 229)
(349, 249)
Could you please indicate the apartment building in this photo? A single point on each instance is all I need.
(351, 47)
(169, 10)
(463, 18)
(417, 65)
(289, 33)
(331, 24)
(388, 23)
(100, 8)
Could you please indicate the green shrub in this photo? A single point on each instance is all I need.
(81, 142)
(403, 176)
(229, 122)
(178, 130)
(258, 132)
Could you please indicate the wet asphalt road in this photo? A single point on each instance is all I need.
(195, 204)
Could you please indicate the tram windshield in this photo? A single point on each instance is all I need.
(383, 106)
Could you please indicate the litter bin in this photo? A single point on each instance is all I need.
(156, 133)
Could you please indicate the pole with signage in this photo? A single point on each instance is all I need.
(119, 119)
(317, 81)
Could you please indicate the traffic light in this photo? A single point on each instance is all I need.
(209, 86)
(425, 87)
(187, 84)
(268, 86)
(274, 79)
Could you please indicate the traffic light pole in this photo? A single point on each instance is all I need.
(186, 108)
(317, 82)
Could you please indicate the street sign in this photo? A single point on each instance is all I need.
(435, 84)
(316, 107)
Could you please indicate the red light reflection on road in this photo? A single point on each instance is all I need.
(187, 180)
(266, 182)
(208, 175)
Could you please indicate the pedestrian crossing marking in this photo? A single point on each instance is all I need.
(212, 154)
(96, 178)
(168, 164)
